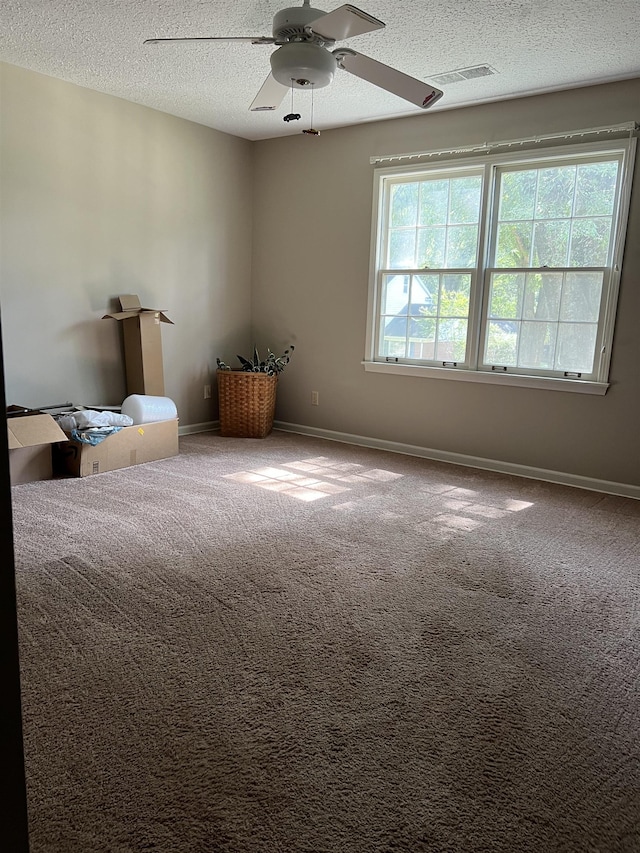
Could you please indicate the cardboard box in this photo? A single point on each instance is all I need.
(142, 345)
(30, 441)
(130, 446)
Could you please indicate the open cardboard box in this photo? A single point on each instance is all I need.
(31, 438)
(130, 446)
(142, 345)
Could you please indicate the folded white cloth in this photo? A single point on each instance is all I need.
(90, 418)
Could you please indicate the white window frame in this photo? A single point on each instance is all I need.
(490, 165)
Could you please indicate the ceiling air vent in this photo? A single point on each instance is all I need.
(461, 74)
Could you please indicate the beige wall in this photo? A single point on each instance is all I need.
(99, 197)
(313, 201)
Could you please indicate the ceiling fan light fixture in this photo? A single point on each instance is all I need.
(302, 64)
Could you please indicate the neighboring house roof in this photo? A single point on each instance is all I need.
(396, 327)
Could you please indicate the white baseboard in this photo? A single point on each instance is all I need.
(190, 429)
(626, 490)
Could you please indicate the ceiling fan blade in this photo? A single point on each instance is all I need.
(411, 89)
(270, 96)
(252, 39)
(344, 22)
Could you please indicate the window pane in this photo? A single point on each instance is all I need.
(576, 347)
(465, 200)
(404, 204)
(543, 301)
(402, 249)
(502, 342)
(505, 299)
(514, 244)
(537, 345)
(395, 293)
(434, 202)
(462, 246)
(452, 340)
(517, 195)
(565, 215)
(542, 296)
(434, 224)
(596, 189)
(430, 322)
(431, 248)
(555, 192)
(590, 242)
(581, 296)
(393, 335)
(454, 295)
(551, 243)
(424, 293)
(423, 335)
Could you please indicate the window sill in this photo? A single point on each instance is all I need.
(459, 375)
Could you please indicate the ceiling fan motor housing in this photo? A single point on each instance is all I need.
(302, 65)
(291, 22)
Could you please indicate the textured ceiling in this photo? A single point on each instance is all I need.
(533, 45)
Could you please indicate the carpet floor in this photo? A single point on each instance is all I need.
(291, 645)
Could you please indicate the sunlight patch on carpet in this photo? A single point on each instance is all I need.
(298, 486)
(457, 511)
(458, 522)
(306, 488)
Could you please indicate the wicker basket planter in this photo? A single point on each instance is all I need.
(247, 403)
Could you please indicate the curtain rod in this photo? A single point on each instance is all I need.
(630, 126)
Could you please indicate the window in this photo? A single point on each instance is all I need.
(502, 267)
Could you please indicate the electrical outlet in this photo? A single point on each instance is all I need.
(315, 398)
(207, 392)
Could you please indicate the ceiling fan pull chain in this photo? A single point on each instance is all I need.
(292, 116)
(311, 131)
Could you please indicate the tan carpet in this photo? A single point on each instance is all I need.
(290, 645)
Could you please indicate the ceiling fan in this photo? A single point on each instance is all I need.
(306, 57)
